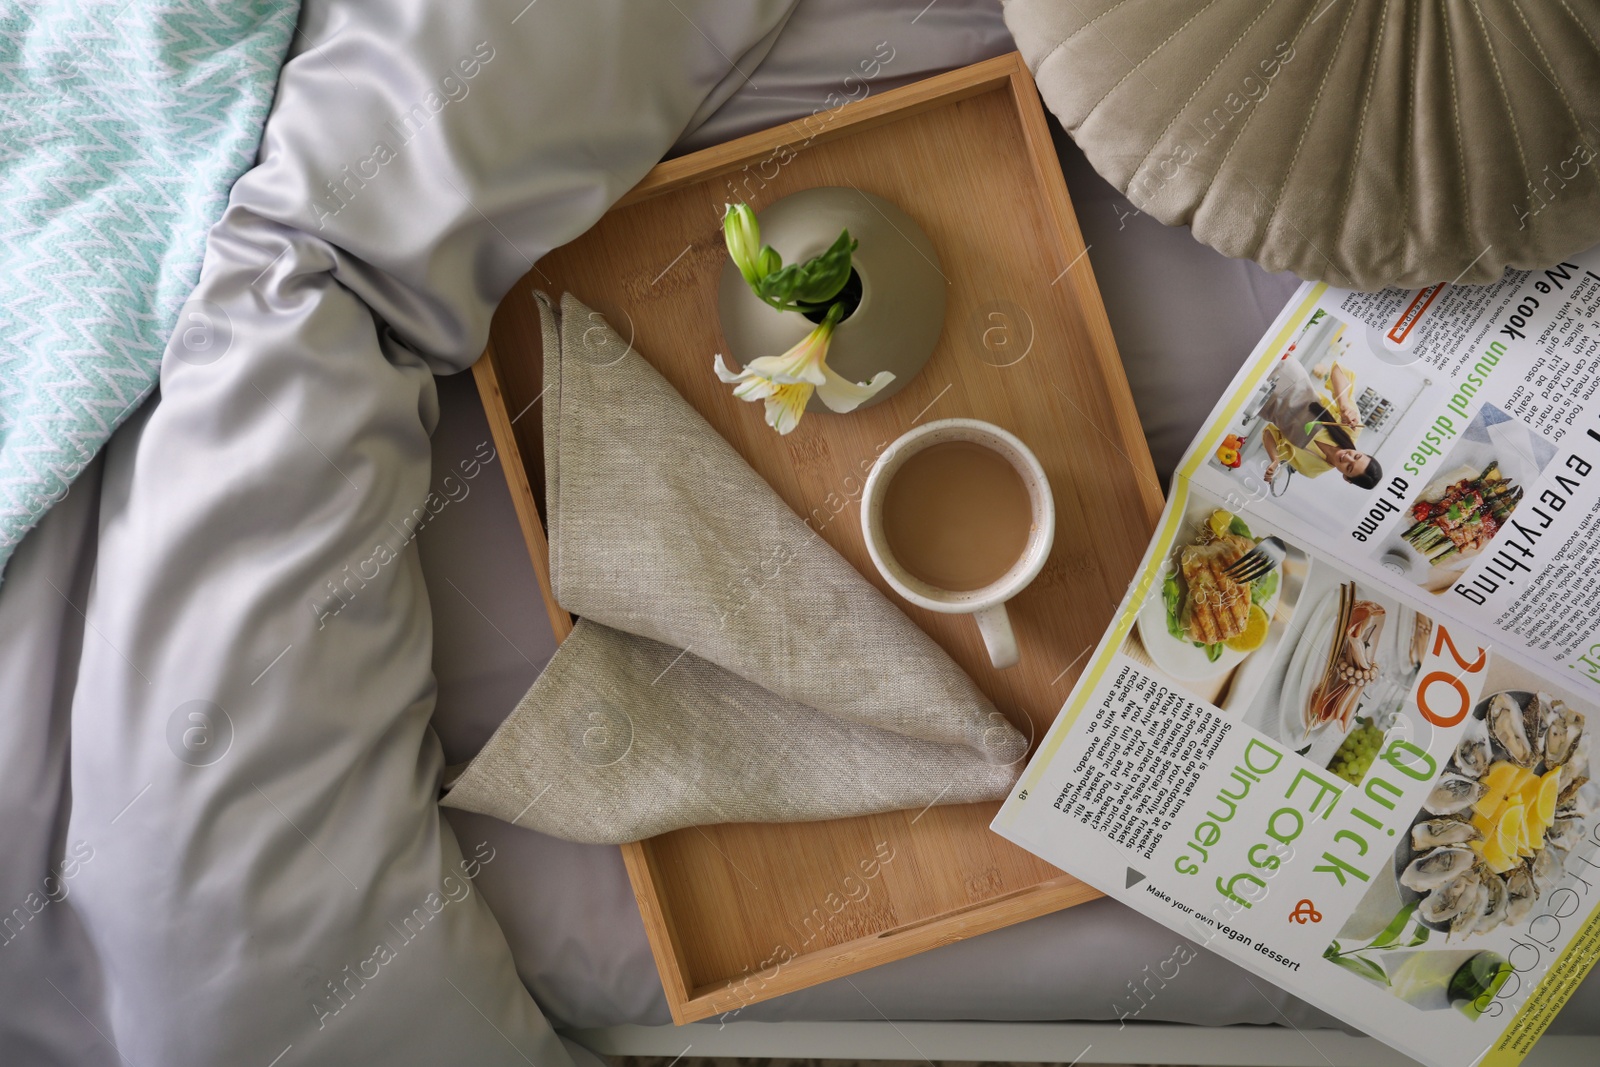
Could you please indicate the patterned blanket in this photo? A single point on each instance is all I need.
(123, 125)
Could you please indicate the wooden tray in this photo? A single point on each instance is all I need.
(741, 913)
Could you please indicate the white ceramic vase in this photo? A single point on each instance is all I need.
(901, 313)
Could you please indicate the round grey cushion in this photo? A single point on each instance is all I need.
(1365, 143)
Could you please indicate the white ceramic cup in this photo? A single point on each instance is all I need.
(987, 603)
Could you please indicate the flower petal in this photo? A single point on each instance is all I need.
(756, 389)
(796, 365)
(805, 362)
(786, 404)
(840, 394)
(727, 375)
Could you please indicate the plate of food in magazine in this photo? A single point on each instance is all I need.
(1459, 513)
(1341, 659)
(1341, 665)
(1499, 826)
(1204, 623)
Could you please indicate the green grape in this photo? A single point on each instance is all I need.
(1357, 752)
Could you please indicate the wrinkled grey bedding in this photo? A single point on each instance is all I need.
(217, 897)
(218, 820)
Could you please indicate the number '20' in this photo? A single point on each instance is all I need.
(1425, 688)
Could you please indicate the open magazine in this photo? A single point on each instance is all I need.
(1341, 728)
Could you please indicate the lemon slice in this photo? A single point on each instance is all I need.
(1495, 857)
(1549, 792)
(1219, 522)
(1490, 805)
(1502, 777)
(1499, 783)
(1525, 836)
(1254, 634)
(1508, 834)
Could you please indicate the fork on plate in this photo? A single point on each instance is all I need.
(1267, 556)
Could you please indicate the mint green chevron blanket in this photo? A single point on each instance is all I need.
(123, 124)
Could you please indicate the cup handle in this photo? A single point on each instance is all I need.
(995, 626)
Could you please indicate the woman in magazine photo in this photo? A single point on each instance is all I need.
(1314, 433)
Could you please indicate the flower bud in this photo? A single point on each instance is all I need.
(743, 236)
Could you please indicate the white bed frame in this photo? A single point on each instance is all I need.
(1064, 1043)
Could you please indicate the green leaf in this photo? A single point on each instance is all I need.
(1173, 599)
(1262, 589)
(1237, 526)
(1391, 933)
(1332, 951)
(1214, 651)
(1419, 937)
(808, 285)
(1364, 967)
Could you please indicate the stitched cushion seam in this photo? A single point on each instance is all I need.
(1107, 95)
(1566, 104)
(1221, 163)
(1574, 16)
(1305, 128)
(1063, 42)
(1343, 212)
(1455, 110)
(1203, 83)
(1505, 100)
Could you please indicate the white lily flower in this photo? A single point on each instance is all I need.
(786, 382)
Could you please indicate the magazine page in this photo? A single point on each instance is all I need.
(1444, 441)
(1335, 766)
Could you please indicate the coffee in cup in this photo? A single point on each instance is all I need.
(958, 519)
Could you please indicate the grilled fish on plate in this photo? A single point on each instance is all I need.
(1216, 607)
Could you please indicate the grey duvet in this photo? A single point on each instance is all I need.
(219, 836)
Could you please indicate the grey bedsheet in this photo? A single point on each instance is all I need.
(1184, 318)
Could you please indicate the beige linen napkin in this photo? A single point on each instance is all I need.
(729, 665)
